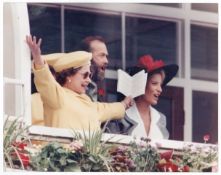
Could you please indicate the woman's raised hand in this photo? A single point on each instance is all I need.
(34, 46)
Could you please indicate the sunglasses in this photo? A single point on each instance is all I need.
(86, 75)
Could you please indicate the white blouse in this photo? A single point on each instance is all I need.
(139, 130)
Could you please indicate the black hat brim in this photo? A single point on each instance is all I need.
(170, 72)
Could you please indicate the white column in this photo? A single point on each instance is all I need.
(20, 28)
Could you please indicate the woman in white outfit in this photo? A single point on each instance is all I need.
(142, 120)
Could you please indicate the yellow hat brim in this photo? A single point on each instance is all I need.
(52, 58)
(73, 59)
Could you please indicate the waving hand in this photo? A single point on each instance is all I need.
(34, 46)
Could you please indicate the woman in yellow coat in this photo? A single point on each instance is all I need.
(65, 103)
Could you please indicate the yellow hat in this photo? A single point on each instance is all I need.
(52, 58)
(62, 61)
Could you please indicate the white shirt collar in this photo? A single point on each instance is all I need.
(139, 130)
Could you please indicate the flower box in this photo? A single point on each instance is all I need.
(57, 149)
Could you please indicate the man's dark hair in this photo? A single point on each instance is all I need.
(85, 43)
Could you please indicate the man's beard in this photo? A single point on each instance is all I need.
(97, 74)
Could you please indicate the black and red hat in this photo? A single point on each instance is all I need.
(152, 66)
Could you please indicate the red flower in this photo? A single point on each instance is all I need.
(147, 62)
(186, 168)
(206, 137)
(20, 145)
(166, 155)
(101, 92)
(24, 158)
(167, 167)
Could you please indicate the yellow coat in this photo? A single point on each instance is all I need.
(37, 111)
(64, 108)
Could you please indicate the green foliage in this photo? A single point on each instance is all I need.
(94, 163)
(136, 157)
(121, 159)
(95, 152)
(53, 157)
(199, 158)
(92, 157)
(14, 131)
(145, 157)
(89, 154)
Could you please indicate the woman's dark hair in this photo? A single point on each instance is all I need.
(61, 77)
